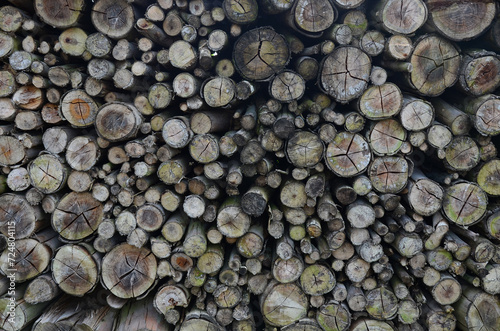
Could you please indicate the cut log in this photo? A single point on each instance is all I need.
(114, 19)
(117, 121)
(387, 137)
(317, 280)
(59, 14)
(477, 310)
(243, 12)
(47, 173)
(280, 313)
(218, 92)
(345, 73)
(381, 303)
(78, 108)
(232, 222)
(403, 17)
(483, 111)
(260, 53)
(140, 315)
(379, 102)
(452, 22)
(304, 149)
(287, 86)
(29, 258)
(348, 154)
(389, 174)
(82, 153)
(170, 296)
(77, 216)
(424, 195)
(75, 270)
(127, 279)
(182, 55)
(434, 71)
(313, 16)
(41, 289)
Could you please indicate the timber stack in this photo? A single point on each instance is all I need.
(249, 165)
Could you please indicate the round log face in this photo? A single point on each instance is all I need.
(240, 12)
(486, 117)
(434, 68)
(425, 197)
(381, 303)
(461, 20)
(14, 209)
(116, 121)
(30, 259)
(348, 154)
(387, 137)
(314, 15)
(287, 271)
(11, 151)
(389, 174)
(379, 102)
(368, 325)
(233, 222)
(204, 148)
(488, 177)
(113, 18)
(47, 173)
(287, 86)
(218, 92)
(82, 153)
(464, 203)
(284, 304)
(305, 149)
(462, 154)
(317, 280)
(74, 269)
(447, 291)
(77, 216)
(417, 115)
(333, 317)
(78, 108)
(59, 13)
(260, 53)
(131, 271)
(483, 313)
(404, 16)
(481, 75)
(345, 73)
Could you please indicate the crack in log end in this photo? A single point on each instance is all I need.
(260, 53)
(77, 216)
(344, 76)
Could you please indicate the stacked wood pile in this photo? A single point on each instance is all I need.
(249, 165)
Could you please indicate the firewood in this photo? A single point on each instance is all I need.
(343, 153)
